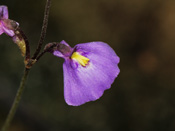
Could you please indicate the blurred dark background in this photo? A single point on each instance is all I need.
(142, 33)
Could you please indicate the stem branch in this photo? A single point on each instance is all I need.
(44, 28)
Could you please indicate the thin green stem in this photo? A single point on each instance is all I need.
(16, 101)
(44, 29)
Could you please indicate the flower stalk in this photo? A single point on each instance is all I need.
(44, 28)
(16, 101)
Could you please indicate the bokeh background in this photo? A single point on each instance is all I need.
(142, 33)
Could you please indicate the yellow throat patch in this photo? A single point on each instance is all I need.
(80, 59)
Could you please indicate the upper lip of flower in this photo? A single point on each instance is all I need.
(65, 50)
(4, 12)
(1, 16)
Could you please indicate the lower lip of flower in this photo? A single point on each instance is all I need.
(82, 60)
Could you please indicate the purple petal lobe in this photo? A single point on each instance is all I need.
(3, 12)
(6, 30)
(84, 84)
(1, 30)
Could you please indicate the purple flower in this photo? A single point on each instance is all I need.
(7, 26)
(89, 69)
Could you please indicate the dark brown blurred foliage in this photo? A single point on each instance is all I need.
(142, 32)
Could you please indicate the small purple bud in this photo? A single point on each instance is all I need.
(10, 24)
(7, 26)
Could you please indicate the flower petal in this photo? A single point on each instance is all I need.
(3, 12)
(88, 83)
(99, 48)
(3, 15)
(8, 31)
(1, 30)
